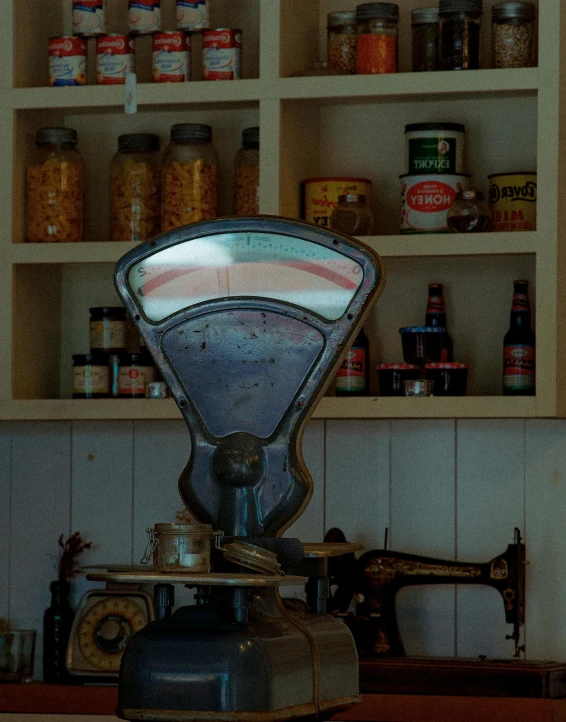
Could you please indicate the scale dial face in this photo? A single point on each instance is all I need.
(261, 265)
(104, 628)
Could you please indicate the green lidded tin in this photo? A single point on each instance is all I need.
(434, 148)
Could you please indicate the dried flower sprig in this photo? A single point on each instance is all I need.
(71, 550)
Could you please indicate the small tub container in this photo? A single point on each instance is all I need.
(450, 379)
(391, 377)
(184, 547)
(422, 344)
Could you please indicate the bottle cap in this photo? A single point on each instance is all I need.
(342, 17)
(513, 11)
(56, 136)
(250, 136)
(90, 359)
(425, 15)
(368, 11)
(191, 131)
(138, 141)
(460, 6)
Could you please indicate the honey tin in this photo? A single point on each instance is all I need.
(426, 200)
(88, 17)
(114, 59)
(320, 196)
(171, 57)
(222, 54)
(513, 201)
(67, 61)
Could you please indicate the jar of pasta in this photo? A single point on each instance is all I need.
(135, 188)
(55, 188)
(247, 174)
(190, 176)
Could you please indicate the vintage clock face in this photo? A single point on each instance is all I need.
(104, 622)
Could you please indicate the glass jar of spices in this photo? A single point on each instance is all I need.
(55, 188)
(342, 39)
(459, 34)
(469, 213)
(135, 188)
(424, 39)
(377, 38)
(513, 35)
(352, 215)
(247, 174)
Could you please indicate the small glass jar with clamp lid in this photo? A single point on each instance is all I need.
(459, 34)
(342, 40)
(352, 215)
(513, 35)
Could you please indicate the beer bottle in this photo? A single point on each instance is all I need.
(352, 378)
(436, 316)
(519, 346)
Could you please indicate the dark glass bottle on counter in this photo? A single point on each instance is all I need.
(436, 316)
(57, 623)
(352, 378)
(519, 348)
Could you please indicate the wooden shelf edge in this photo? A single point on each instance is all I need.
(39, 698)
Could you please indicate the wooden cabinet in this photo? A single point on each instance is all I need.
(310, 126)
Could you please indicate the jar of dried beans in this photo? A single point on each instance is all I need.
(342, 38)
(425, 39)
(190, 176)
(55, 188)
(135, 188)
(513, 35)
(247, 174)
(377, 38)
(459, 31)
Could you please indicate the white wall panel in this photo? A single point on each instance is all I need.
(546, 539)
(422, 522)
(41, 492)
(5, 489)
(490, 504)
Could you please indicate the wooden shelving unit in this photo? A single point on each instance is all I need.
(310, 126)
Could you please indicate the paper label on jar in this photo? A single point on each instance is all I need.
(134, 379)
(107, 334)
(91, 380)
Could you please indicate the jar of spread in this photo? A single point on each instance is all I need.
(55, 188)
(377, 38)
(135, 372)
(469, 214)
(342, 40)
(108, 329)
(135, 188)
(352, 215)
(91, 376)
(190, 176)
(247, 174)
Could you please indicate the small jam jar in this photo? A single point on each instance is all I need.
(469, 213)
(352, 215)
(391, 377)
(108, 329)
(421, 344)
(450, 379)
(135, 372)
(91, 376)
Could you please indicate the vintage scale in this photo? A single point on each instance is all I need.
(248, 321)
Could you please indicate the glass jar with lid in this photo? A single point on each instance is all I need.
(376, 50)
(469, 213)
(459, 34)
(342, 39)
(135, 188)
(352, 215)
(190, 176)
(246, 191)
(513, 35)
(55, 188)
(424, 39)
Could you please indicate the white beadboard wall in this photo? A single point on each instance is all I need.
(452, 489)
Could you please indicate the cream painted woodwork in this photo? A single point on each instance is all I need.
(310, 126)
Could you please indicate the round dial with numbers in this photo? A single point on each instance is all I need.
(106, 628)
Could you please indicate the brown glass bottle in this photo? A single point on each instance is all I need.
(436, 316)
(519, 348)
(352, 378)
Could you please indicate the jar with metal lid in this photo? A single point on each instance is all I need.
(55, 188)
(91, 376)
(376, 50)
(135, 372)
(424, 39)
(190, 176)
(469, 213)
(352, 215)
(342, 40)
(513, 35)
(173, 547)
(135, 188)
(459, 34)
(108, 329)
(246, 191)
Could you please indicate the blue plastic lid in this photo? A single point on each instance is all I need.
(422, 329)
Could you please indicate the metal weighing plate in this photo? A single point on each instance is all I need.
(214, 579)
(316, 550)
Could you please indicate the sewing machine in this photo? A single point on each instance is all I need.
(374, 580)
(248, 321)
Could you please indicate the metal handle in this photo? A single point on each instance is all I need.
(218, 536)
(151, 546)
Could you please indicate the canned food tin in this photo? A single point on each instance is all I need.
(171, 57)
(114, 59)
(67, 61)
(88, 17)
(320, 196)
(221, 54)
(434, 148)
(144, 16)
(192, 15)
(426, 200)
(513, 201)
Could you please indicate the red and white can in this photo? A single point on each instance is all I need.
(171, 57)
(67, 61)
(144, 16)
(192, 15)
(222, 54)
(88, 17)
(114, 59)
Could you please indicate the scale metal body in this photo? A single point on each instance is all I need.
(248, 320)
